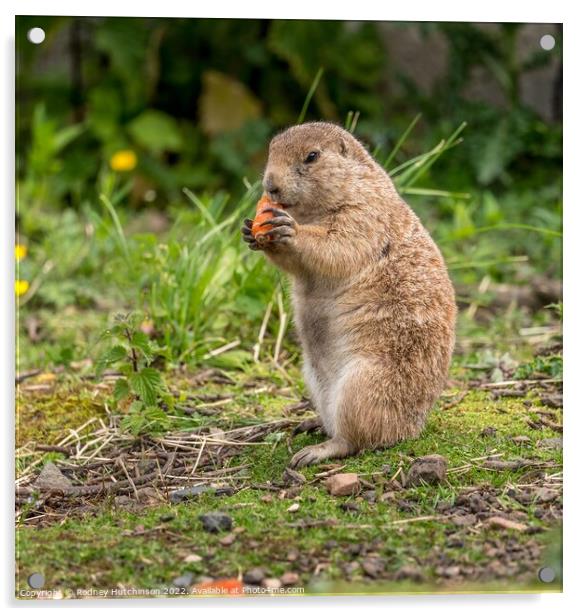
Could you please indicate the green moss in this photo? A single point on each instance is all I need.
(45, 416)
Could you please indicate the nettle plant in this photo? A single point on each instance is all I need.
(140, 393)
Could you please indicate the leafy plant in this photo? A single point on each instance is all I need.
(141, 392)
(541, 366)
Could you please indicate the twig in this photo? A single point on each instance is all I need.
(282, 328)
(262, 331)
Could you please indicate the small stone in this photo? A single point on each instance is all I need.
(192, 558)
(293, 477)
(290, 578)
(228, 540)
(521, 440)
(373, 566)
(488, 432)
(166, 517)
(266, 498)
(180, 496)
(294, 507)
(148, 496)
(550, 443)
(271, 583)
(184, 581)
(239, 530)
(216, 521)
(464, 520)
(254, 576)
(52, 479)
(292, 555)
(498, 522)
(449, 572)
(224, 491)
(350, 507)
(545, 495)
(409, 572)
(343, 484)
(429, 470)
(369, 496)
(123, 501)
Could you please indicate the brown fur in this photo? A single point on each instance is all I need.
(374, 306)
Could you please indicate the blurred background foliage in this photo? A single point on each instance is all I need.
(140, 143)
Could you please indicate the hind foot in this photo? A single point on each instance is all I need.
(308, 425)
(334, 448)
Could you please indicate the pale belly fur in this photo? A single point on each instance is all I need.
(326, 357)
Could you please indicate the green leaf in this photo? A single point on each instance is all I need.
(111, 356)
(141, 342)
(121, 389)
(156, 131)
(147, 384)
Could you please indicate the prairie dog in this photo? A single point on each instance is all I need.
(374, 306)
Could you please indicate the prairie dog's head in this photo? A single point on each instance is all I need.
(314, 168)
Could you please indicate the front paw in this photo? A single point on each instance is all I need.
(280, 229)
(247, 236)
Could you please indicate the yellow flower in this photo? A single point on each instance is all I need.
(123, 160)
(20, 252)
(21, 287)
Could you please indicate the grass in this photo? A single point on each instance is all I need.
(146, 547)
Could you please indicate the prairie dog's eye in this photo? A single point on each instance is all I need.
(311, 157)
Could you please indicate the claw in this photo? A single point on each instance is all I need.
(278, 221)
(278, 212)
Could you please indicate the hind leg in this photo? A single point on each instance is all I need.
(378, 406)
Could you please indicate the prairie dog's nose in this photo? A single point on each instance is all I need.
(271, 186)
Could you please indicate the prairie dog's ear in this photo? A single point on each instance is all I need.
(343, 146)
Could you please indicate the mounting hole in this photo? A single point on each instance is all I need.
(36, 36)
(546, 574)
(36, 580)
(547, 42)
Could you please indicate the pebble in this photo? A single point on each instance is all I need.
(254, 576)
(430, 470)
(290, 578)
(343, 484)
(545, 495)
(192, 558)
(373, 566)
(183, 581)
(185, 494)
(216, 521)
(369, 496)
(463, 520)
(292, 555)
(294, 507)
(228, 540)
(409, 572)
(273, 583)
(52, 479)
